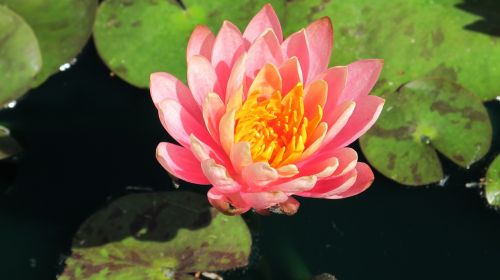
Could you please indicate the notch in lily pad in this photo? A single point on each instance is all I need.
(138, 37)
(154, 236)
(420, 119)
(492, 183)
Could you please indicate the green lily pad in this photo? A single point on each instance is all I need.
(20, 58)
(138, 37)
(8, 145)
(492, 184)
(421, 117)
(61, 26)
(416, 38)
(157, 236)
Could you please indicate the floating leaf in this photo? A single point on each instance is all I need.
(492, 188)
(8, 145)
(157, 236)
(61, 26)
(138, 37)
(416, 38)
(20, 58)
(421, 117)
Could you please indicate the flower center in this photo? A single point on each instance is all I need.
(275, 126)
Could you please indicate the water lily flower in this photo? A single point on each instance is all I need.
(264, 119)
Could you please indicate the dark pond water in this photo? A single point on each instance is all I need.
(89, 136)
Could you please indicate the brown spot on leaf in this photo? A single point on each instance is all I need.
(417, 178)
(401, 133)
(437, 37)
(459, 158)
(392, 161)
(136, 23)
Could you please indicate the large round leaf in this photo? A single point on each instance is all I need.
(421, 117)
(61, 26)
(138, 37)
(416, 38)
(20, 58)
(492, 188)
(157, 236)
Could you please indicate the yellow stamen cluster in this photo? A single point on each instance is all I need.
(275, 126)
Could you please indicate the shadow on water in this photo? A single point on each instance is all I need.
(489, 10)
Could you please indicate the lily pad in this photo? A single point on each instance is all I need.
(20, 58)
(157, 236)
(61, 26)
(421, 117)
(8, 145)
(138, 37)
(416, 38)
(492, 188)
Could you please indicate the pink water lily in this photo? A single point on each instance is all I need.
(264, 119)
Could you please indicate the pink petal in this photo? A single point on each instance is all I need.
(237, 77)
(298, 46)
(363, 181)
(229, 204)
(291, 74)
(263, 200)
(364, 116)
(296, 185)
(180, 124)
(320, 37)
(347, 159)
(267, 81)
(213, 109)
(264, 19)
(240, 156)
(361, 77)
(336, 79)
(265, 50)
(219, 177)
(228, 47)
(259, 174)
(164, 85)
(181, 163)
(203, 151)
(339, 119)
(316, 140)
(328, 187)
(201, 78)
(288, 170)
(320, 168)
(315, 95)
(201, 42)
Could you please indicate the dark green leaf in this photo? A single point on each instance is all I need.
(492, 189)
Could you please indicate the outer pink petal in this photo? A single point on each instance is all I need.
(181, 163)
(264, 19)
(263, 200)
(300, 184)
(320, 38)
(298, 46)
(336, 77)
(363, 181)
(361, 77)
(228, 47)
(320, 168)
(229, 204)
(219, 177)
(314, 94)
(164, 85)
(201, 42)
(328, 187)
(364, 116)
(240, 156)
(291, 74)
(346, 158)
(180, 124)
(201, 78)
(339, 118)
(265, 50)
